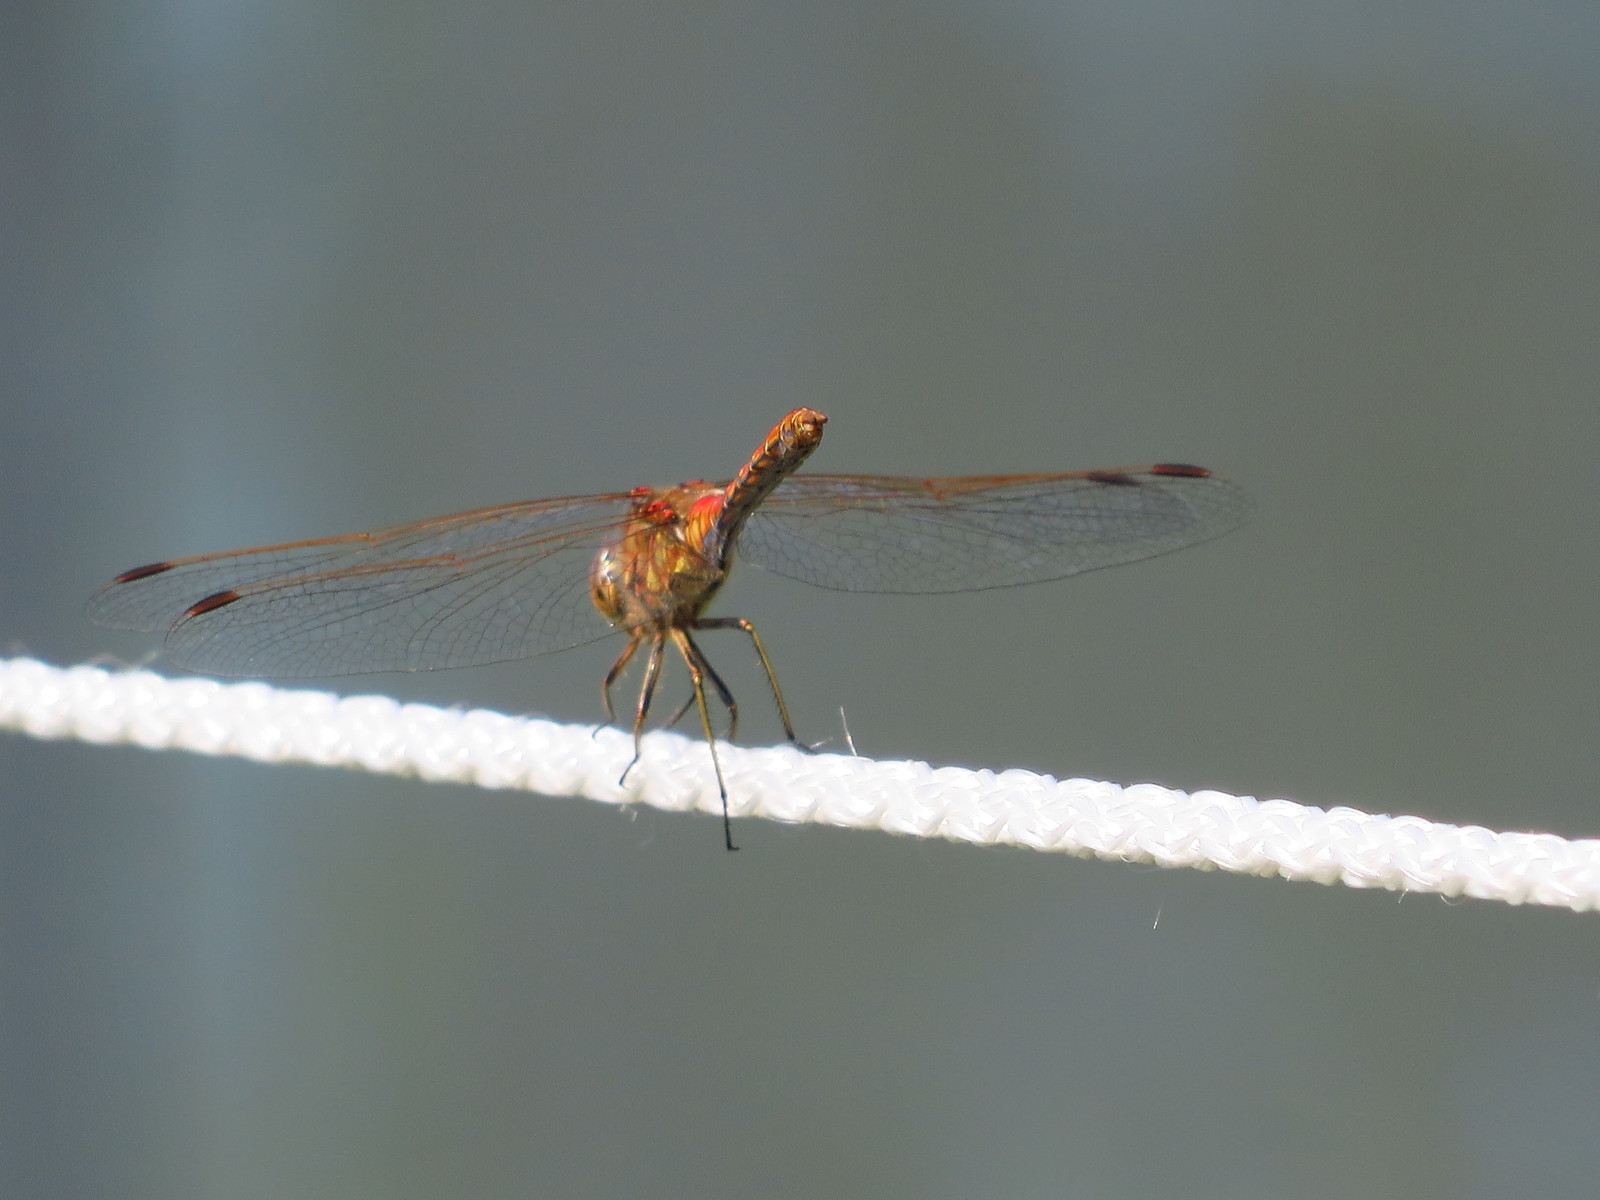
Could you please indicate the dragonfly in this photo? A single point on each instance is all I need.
(519, 580)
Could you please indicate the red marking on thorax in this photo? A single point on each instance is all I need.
(658, 512)
(702, 516)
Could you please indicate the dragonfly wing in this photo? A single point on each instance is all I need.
(487, 586)
(859, 533)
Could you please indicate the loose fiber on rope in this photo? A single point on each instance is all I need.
(1142, 823)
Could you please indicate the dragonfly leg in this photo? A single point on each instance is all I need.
(766, 665)
(697, 671)
(723, 694)
(647, 691)
(617, 668)
(677, 713)
(721, 688)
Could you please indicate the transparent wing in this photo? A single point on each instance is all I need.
(487, 586)
(862, 533)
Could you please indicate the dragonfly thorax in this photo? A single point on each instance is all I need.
(659, 571)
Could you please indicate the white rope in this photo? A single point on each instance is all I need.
(1142, 823)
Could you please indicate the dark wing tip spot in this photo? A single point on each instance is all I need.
(143, 572)
(1183, 470)
(211, 603)
(1114, 478)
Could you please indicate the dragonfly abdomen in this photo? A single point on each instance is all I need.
(788, 445)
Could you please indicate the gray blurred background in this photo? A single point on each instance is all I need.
(280, 271)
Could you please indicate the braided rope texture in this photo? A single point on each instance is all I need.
(1142, 823)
